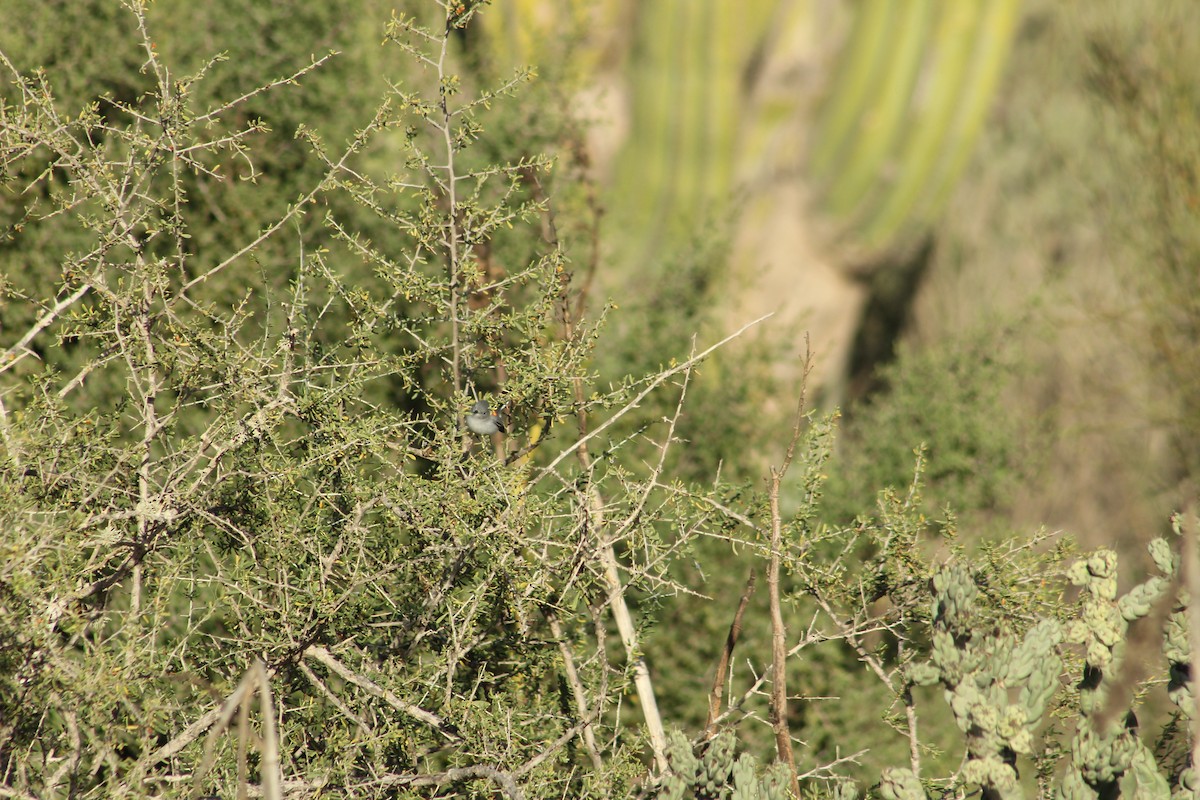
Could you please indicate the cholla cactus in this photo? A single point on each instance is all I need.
(685, 768)
(1103, 751)
(977, 669)
(1179, 689)
(1175, 648)
(978, 666)
(1175, 637)
(900, 784)
(716, 776)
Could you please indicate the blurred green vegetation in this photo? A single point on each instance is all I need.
(1070, 226)
(949, 403)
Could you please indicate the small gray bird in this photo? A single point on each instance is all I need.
(481, 420)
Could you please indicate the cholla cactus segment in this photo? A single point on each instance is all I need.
(1175, 638)
(1175, 648)
(999, 649)
(1101, 564)
(717, 776)
(673, 788)
(992, 772)
(1102, 624)
(1179, 689)
(745, 779)
(1150, 783)
(776, 784)
(1097, 574)
(1072, 787)
(1188, 788)
(948, 658)
(900, 784)
(684, 764)
(845, 790)
(717, 764)
(1141, 598)
(971, 712)
(1175, 644)
(1035, 666)
(1031, 654)
(1166, 559)
(1102, 760)
(924, 674)
(1042, 681)
(1014, 730)
(954, 596)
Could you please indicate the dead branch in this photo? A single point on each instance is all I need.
(735, 630)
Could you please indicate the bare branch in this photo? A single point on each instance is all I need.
(779, 698)
(577, 690)
(323, 656)
(735, 630)
(654, 383)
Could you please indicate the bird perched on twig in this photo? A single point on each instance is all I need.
(481, 420)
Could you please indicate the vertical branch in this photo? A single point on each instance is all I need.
(735, 631)
(146, 511)
(272, 773)
(292, 333)
(910, 714)
(607, 555)
(577, 691)
(452, 243)
(243, 737)
(625, 626)
(779, 697)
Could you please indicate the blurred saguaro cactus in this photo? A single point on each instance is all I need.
(695, 84)
(906, 104)
(756, 120)
(688, 101)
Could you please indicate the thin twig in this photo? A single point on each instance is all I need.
(290, 80)
(735, 630)
(322, 655)
(657, 381)
(10, 356)
(910, 715)
(577, 690)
